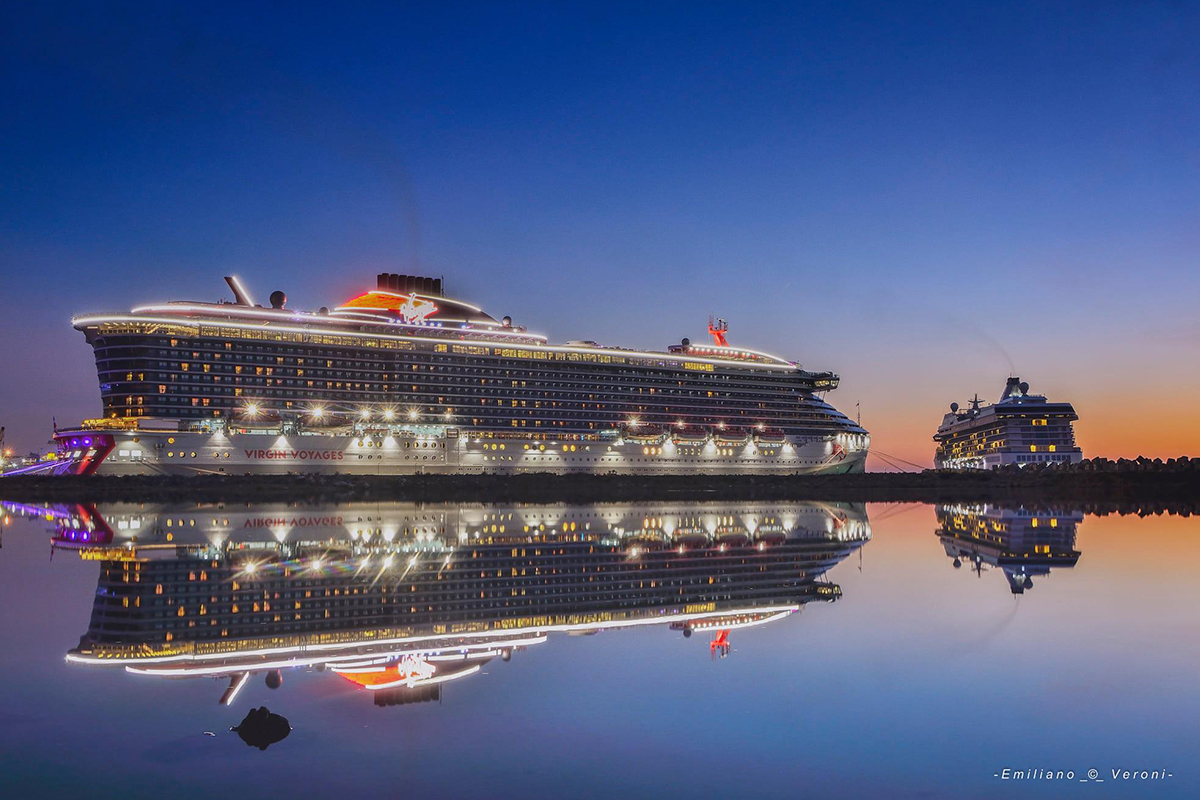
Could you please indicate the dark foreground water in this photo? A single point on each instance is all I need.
(648, 650)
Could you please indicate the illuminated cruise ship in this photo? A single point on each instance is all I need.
(400, 598)
(404, 379)
(1021, 429)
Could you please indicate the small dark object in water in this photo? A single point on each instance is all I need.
(262, 729)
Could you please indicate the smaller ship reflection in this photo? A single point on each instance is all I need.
(401, 598)
(1022, 543)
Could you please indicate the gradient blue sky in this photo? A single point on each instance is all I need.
(921, 197)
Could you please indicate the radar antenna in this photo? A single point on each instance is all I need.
(718, 331)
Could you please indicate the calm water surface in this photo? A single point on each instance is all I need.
(649, 650)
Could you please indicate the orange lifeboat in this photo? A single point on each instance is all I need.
(643, 434)
(772, 436)
(689, 434)
(732, 437)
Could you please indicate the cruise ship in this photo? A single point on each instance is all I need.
(401, 598)
(1022, 543)
(403, 379)
(1021, 429)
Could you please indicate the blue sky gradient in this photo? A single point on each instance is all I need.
(921, 197)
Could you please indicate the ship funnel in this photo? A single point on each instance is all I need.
(239, 292)
(409, 284)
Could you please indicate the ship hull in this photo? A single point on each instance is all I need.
(448, 451)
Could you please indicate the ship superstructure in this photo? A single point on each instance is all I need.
(404, 378)
(400, 597)
(1021, 428)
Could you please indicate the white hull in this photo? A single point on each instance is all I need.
(401, 451)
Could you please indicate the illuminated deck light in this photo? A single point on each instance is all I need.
(365, 413)
(389, 414)
(317, 412)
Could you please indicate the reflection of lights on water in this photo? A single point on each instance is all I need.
(291, 656)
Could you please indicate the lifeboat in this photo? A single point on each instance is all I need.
(689, 434)
(691, 538)
(732, 437)
(643, 434)
(770, 536)
(733, 537)
(769, 436)
(647, 540)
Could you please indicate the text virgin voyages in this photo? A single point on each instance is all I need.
(404, 379)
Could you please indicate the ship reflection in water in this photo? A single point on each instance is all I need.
(1022, 543)
(401, 599)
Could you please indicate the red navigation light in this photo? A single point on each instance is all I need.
(718, 331)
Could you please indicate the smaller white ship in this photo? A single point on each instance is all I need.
(1021, 429)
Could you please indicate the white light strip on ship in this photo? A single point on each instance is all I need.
(536, 630)
(373, 318)
(302, 316)
(465, 656)
(746, 350)
(751, 624)
(372, 314)
(100, 319)
(225, 669)
(426, 297)
(413, 684)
